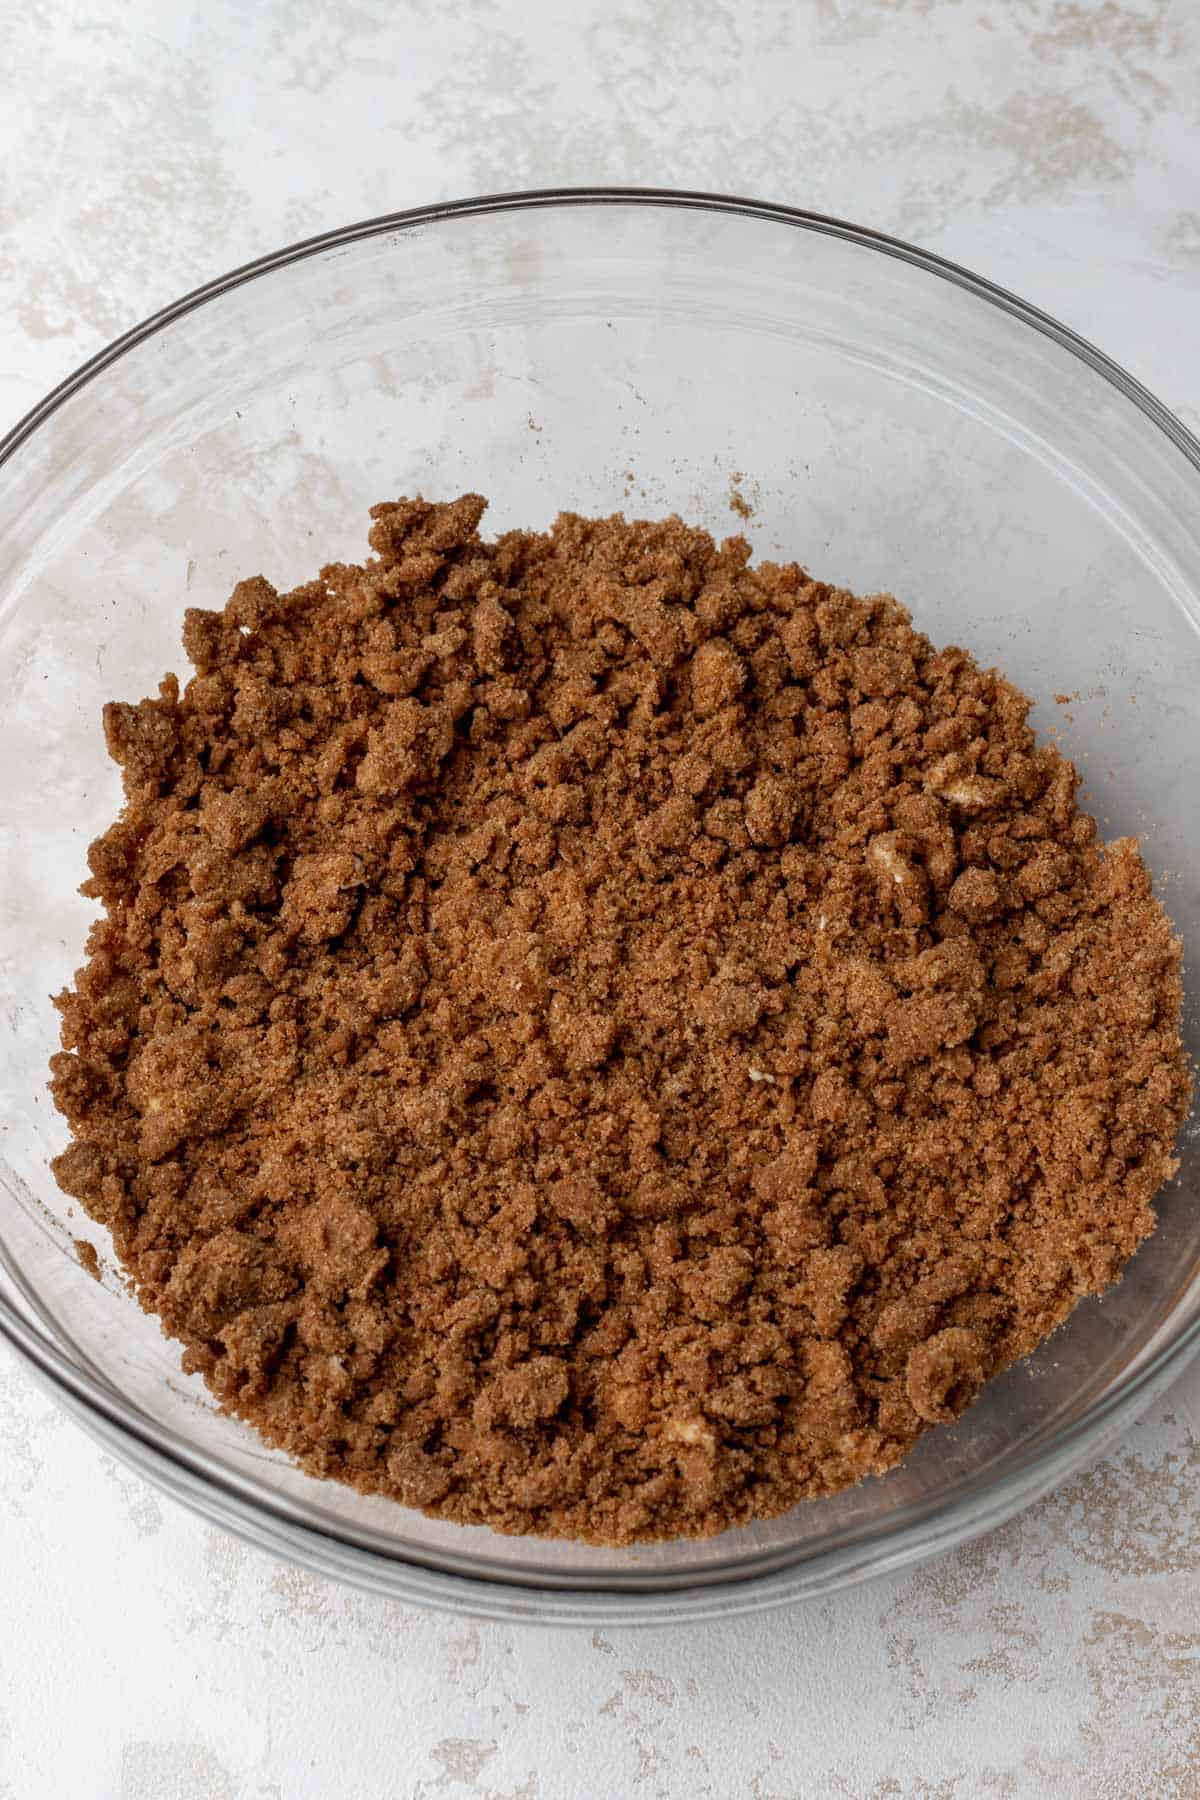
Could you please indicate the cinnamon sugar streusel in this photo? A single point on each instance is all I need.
(593, 1037)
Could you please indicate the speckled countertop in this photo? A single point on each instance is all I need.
(144, 147)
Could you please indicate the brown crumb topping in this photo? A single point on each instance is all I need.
(595, 1038)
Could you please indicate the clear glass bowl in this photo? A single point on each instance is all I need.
(893, 422)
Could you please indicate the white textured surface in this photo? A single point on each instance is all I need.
(144, 147)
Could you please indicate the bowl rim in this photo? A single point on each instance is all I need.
(946, 1521)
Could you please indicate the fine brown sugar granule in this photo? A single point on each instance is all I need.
(594, 1038)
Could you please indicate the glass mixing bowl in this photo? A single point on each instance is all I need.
(892, 421)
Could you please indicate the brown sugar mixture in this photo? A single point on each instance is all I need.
(594, 1038)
